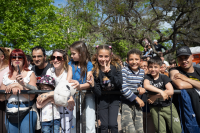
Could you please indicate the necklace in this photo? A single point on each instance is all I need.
(3, 68)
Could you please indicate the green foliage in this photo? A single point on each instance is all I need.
(25, 24)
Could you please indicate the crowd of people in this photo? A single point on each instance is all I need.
(102, 73)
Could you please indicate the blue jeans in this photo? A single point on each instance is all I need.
(47, 127)
(24, 124)
(90, 115)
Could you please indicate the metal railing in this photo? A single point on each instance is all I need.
(80, 113)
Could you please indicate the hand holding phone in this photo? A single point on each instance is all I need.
(18, 69)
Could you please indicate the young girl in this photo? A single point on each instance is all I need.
(49, 117)
(107, 77)
(60, 61)
(79, 69)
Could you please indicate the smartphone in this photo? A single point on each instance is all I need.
(18, 69)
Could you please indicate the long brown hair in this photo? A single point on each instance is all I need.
(115, 61)
(81, 48)
(65, 57)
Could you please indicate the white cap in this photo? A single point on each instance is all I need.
(155, 41)
(62, 93)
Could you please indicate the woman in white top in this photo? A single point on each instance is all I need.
(17, 57)
(59, 59)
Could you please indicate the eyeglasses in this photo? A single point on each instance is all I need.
(59, 58)
(19, 58)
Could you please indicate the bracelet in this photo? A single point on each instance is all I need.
(89, 84)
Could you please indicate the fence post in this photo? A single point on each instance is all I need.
(78, 113)
(83, 112)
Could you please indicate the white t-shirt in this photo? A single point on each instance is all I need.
(62, 77)
(7, 81)
(47, 113)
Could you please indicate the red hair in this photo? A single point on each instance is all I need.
(18, 52)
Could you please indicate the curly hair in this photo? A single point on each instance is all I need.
(115, 60)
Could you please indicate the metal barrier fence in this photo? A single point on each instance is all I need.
(80, 113)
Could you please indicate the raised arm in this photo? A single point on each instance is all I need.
(32, 82)
(178, 82)
(115, 77)
(27, 86)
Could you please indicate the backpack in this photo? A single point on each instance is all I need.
(187, 116)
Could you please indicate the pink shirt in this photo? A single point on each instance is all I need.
(2, 73)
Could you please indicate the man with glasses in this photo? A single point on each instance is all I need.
(39, 59)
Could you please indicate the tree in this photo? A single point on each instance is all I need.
(25, 24)
(135, 20)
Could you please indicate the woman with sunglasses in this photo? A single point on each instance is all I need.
(16, 101)
(60, 60)
(4, 58)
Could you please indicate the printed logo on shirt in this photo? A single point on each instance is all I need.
(157, 85)
(107, 85)
(193, 78)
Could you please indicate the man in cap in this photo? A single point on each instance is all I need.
(187, 77)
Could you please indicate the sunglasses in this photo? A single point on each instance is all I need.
(59, 58)
(19, 58)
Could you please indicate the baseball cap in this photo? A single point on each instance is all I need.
(185, 50)
(155, 41)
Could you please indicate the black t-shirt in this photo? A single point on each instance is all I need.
(40, 72)
(159, 47)
(195, 99)
(160, 84)
(194, 75)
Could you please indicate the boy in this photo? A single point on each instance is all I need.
(163, 69)
(160, 89)
(133, 76)
(144, 66)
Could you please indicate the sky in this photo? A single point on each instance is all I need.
(63, 2)
(57, 2)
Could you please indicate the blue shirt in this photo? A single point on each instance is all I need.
(76, 72)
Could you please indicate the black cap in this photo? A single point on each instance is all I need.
(185, 50)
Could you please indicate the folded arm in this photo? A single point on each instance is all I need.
(178, 82)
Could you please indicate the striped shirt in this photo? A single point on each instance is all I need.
(131, 81)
